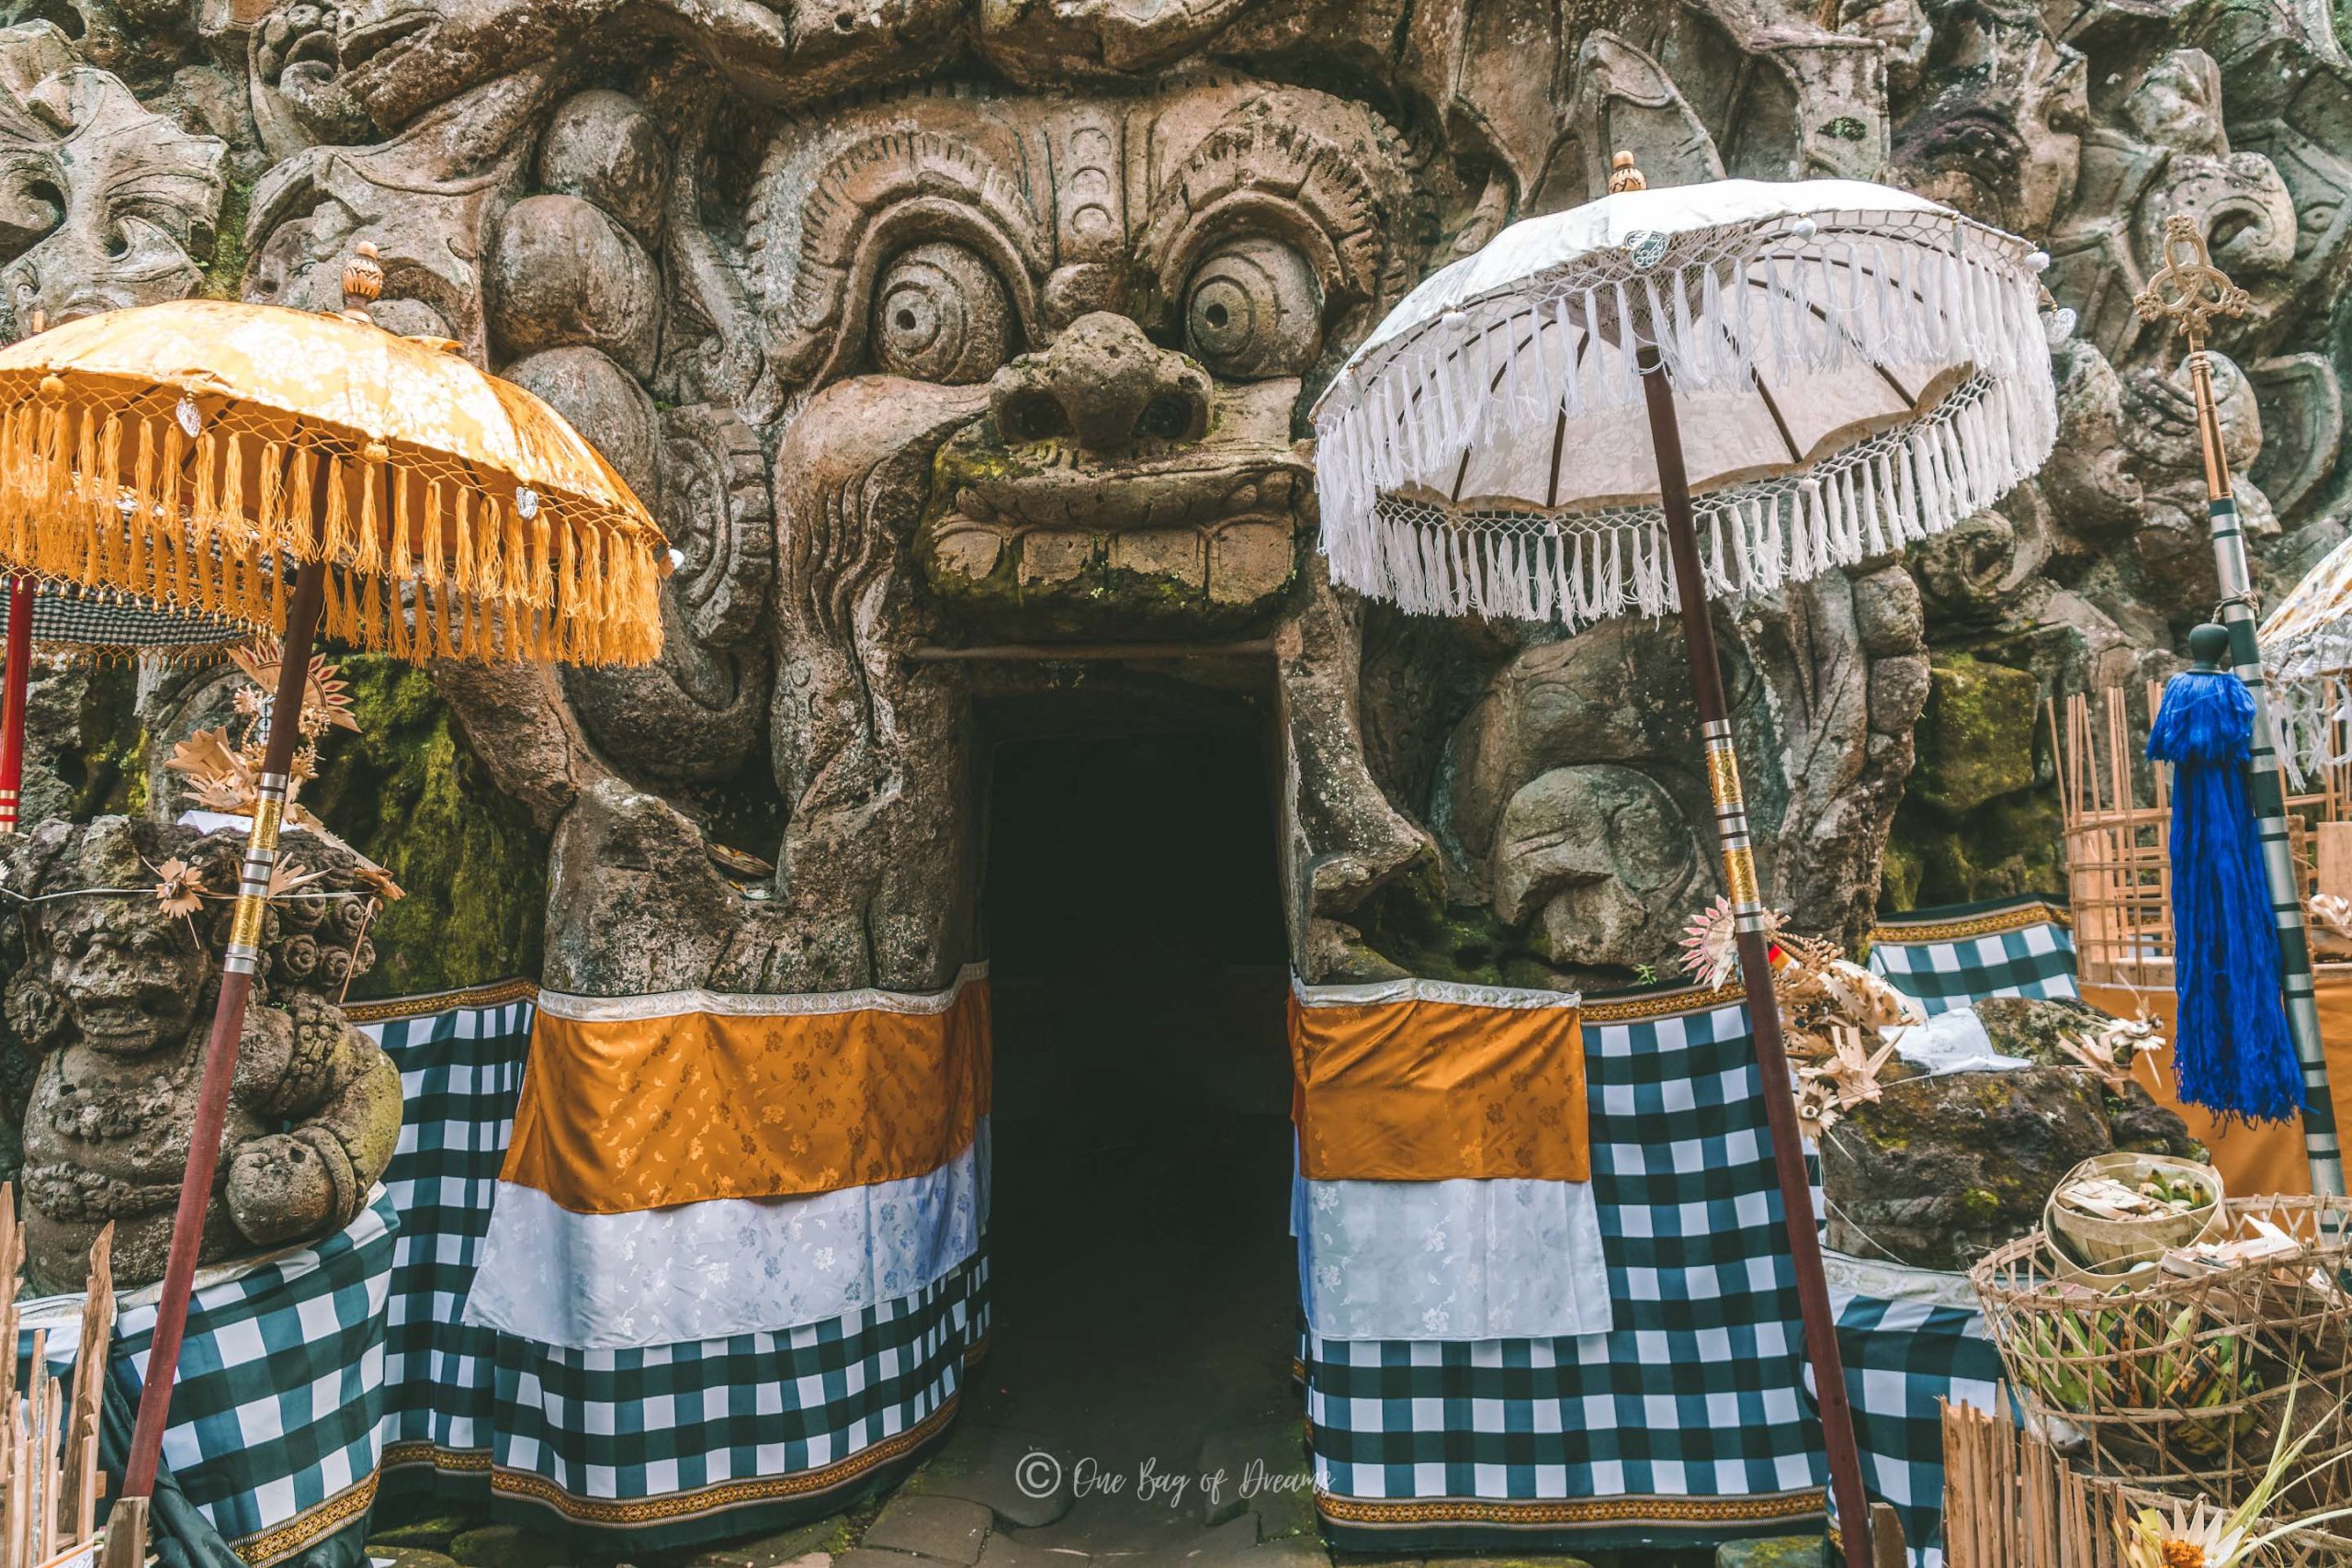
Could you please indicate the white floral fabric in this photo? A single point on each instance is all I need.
(1498, 1260)
(729, 1266)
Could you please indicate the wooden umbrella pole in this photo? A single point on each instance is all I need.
(12, 701)
(1756, 970)
(285, 721)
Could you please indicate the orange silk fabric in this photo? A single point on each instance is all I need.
(623, 1116)
(1427, 1090)
(2259, 1157)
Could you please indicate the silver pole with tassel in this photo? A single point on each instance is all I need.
(2189, 291)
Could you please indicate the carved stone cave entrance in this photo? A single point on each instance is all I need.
(1143, 1274)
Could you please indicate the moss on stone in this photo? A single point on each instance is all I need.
(110, 774)
(1979, 816)
(224, 273)
(1976, 737)
(2012, 845)
(1409, 923)
(407, 793)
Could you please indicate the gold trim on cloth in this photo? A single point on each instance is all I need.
(1427, 1086)
(640, 1107)
(1689, 1000)
(421, 1451)
(1961, 926)
(1583, 1511)
(537, 1488)
(313, 1525)
(497, 993)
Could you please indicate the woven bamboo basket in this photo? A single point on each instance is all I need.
(2183, 1383)
(2110, 1250)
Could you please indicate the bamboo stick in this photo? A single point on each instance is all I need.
(78, 1507)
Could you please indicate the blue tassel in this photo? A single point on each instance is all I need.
(2231, 1053)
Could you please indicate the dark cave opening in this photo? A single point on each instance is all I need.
(1142, 1269)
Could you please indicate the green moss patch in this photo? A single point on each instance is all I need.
(1976, 739)
(407, 793)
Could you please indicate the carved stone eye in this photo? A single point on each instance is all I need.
(1253, 309)
(940, 314)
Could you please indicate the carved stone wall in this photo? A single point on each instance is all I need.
(928, 323)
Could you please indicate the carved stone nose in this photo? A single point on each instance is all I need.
(1103, 384)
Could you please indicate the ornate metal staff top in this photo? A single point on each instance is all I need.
(2188, 290)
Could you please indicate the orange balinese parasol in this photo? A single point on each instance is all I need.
(299, 472)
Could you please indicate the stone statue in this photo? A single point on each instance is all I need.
(929, 326)
(116, 1000)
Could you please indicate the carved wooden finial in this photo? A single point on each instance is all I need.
(362, 280)
(1623, 176)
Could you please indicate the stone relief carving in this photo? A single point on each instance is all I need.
(927, 324)
(103, 204)
(115, 1001)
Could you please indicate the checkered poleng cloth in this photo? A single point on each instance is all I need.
(1685, 1420)
(676, 1444)
(1900, 1357)
(275, 1412)
(1689, 1420)
(1949, 960)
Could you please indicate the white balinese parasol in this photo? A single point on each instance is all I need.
(1859, 368)
(2307, 645)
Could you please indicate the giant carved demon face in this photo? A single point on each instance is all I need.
(1108, 313)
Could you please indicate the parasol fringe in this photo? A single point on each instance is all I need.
(373, 621)
(106, 519)
(462, 565)
(203, 497)
(399, 565)
(340, 541)
(13, 462)
(272, 537)
(1906, 484)
(517, 553)
(127, 501)
(1400, 418)
(93, 538)
(429, 556)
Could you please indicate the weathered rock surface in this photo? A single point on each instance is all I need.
(989, 1470)
(507, 1546)
(636, 253)
(1942, 1169)
(943, 1529)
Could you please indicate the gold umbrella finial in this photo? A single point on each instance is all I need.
(362, 280)
(1623, 176)
(2188, 290)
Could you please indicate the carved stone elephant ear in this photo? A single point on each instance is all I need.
(103, 204)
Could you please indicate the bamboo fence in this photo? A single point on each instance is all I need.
(2117, 811)
(2010, 1501)
(49, 1437)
